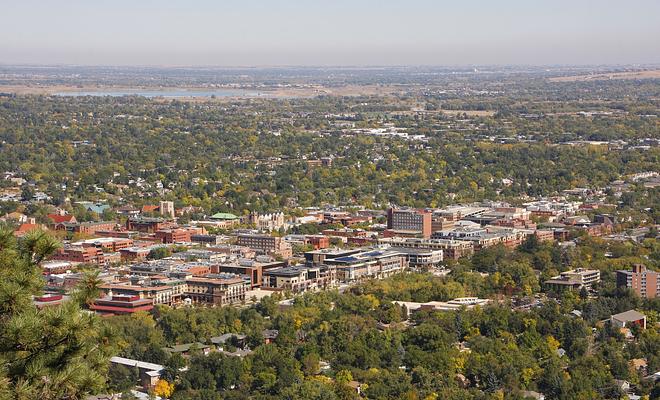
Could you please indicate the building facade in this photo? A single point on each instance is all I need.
(418, 222)
(640, 280)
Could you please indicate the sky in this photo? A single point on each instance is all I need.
(329, 32)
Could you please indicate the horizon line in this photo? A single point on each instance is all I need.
(365, 66)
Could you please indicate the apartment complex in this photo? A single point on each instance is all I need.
(640, 280)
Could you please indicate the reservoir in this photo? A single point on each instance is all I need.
(168, 93)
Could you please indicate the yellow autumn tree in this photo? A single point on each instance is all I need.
(164, 389)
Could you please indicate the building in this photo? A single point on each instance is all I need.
(97, 208)
(57, 219)
(266, 244)
(23, 229)
(628, 318)
(300, 278)
(187, 349)
(147, 224)
(451, 249)
(80, 254)
(574, 279)
(49, 300)
(149, 373)
(222, 220)
(483, 237)
(417, 222)
(177, 235)
(86, 228)
(135, 253)
(224, 217)
(56, 267)
(451, 305)
(166, 209)
(120, 305)
(421, 258)
(106, 244)
(248, 268)
(218, 291)
(441, 222)
(317, 241)
(267, 222)
(544, 235)
(208, 239)
(373, 263)
(640, 280)
(167, 291)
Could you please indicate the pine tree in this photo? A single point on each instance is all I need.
(59, 352)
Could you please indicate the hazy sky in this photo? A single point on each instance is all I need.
(329, 32)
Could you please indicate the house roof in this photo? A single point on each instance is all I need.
(270, 333)
(629, 316)
(96, 208)
(223, 338)
(57, 218)
(25, 228)
(135, 363)
(181, 348)
(15, 215)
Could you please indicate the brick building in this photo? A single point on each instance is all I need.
(640, 280)
(418, 222)
(275, 246)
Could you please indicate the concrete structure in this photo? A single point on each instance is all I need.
(451, 305)
(574, 279)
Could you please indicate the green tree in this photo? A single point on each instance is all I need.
(55, 353)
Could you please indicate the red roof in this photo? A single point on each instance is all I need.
(149, 208)
(58, 219)
(25, 228)
(120, 310)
